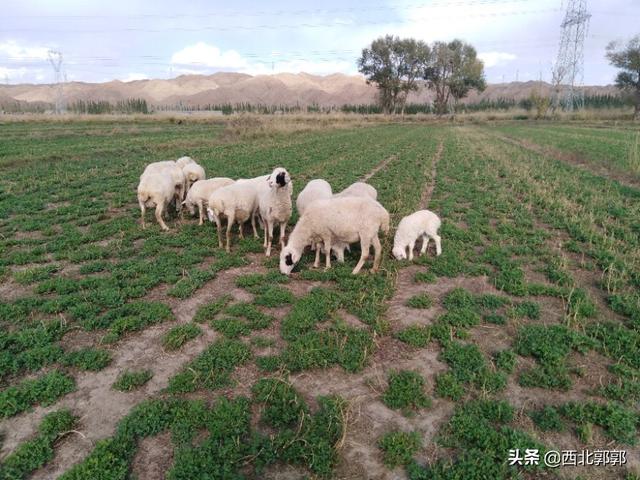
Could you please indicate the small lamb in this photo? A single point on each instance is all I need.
(275, 205)
(238, 203)
(345, 220)
(358, 189)
(422, 223)
(317, 189)
(193, 173)
(155, 189)
(198, 195)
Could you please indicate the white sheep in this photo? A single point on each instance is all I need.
(274, 204)
(358, 189)
(344, 220)
(317, 189)
(237, 202)
(261, 185)
(422, 223)
(169, 167)
(155, 189)
(199, 193)
(193, 173)
(183, 161)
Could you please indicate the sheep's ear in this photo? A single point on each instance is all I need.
(288, 260)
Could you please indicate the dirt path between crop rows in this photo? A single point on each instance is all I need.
(572, 159)
(378, 167)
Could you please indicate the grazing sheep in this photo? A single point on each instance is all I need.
(184, 161)
(358, 189)
(317, 189)
(199, 193)
(275, 205)
(170, 168)
(192, 173)
(237, 202)
(155, 189)
(422, 223)
(344, 220)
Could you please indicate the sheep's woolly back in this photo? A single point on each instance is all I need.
(358, 189)
(343, 219)
(202, 190)
(238, 199)
(184, 161)
(317, 189)
(166, 167)
(155, 187)
(193, 172)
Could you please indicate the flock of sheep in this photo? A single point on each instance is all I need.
(328, 222)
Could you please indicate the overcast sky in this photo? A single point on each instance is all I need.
(133, 39)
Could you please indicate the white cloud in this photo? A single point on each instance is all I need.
(12, 74)
(204, 58)
(494, 59)
(134, 76)
(205, 55)
(17, 52)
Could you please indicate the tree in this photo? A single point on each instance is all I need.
(394, 65)
(627, 59)
(454, 70)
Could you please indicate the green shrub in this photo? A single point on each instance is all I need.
(415, 335)
(399, 447)
(179, 335)
(406, 392)
(282, 404)
(128, 381)
(547, 419)
(422, 300)
(43, 390)
(91, 359)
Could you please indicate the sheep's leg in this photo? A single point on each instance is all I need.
(316, 263)
(364, 245)
(327, 253)
(201, 212)
(377, 249)
(412, 245)
(159, 210)
(438, 244)
(268, 234)
(253, 225)
(283, 232)
(231, 220)
(240, 225)
(142, 212)
(425, 244)
(219, 229)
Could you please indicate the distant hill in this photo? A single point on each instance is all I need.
(280, 89)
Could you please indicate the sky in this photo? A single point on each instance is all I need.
(136, 39)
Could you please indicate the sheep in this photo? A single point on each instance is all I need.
(274, 204)
(317, 189)
(192, 173)
(169, 167)
(199, 193)
(238, 203)
(155, 189)
(345, 220)
(261, 185)
(358, 189)
(184, 161)
(422, 223)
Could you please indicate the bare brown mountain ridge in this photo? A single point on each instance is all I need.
(279, 89)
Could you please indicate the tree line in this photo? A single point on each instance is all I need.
(96, 107)
(399, 66)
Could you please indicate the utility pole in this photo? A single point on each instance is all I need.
(568, 72)
(55, 59)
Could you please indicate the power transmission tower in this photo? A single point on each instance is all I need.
(55, 58)
(568, 72)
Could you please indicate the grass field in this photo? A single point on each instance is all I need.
(130, 353)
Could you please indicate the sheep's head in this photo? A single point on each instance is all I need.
(190, 206)
(288, 259)
(279, 177)
(399, 252)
